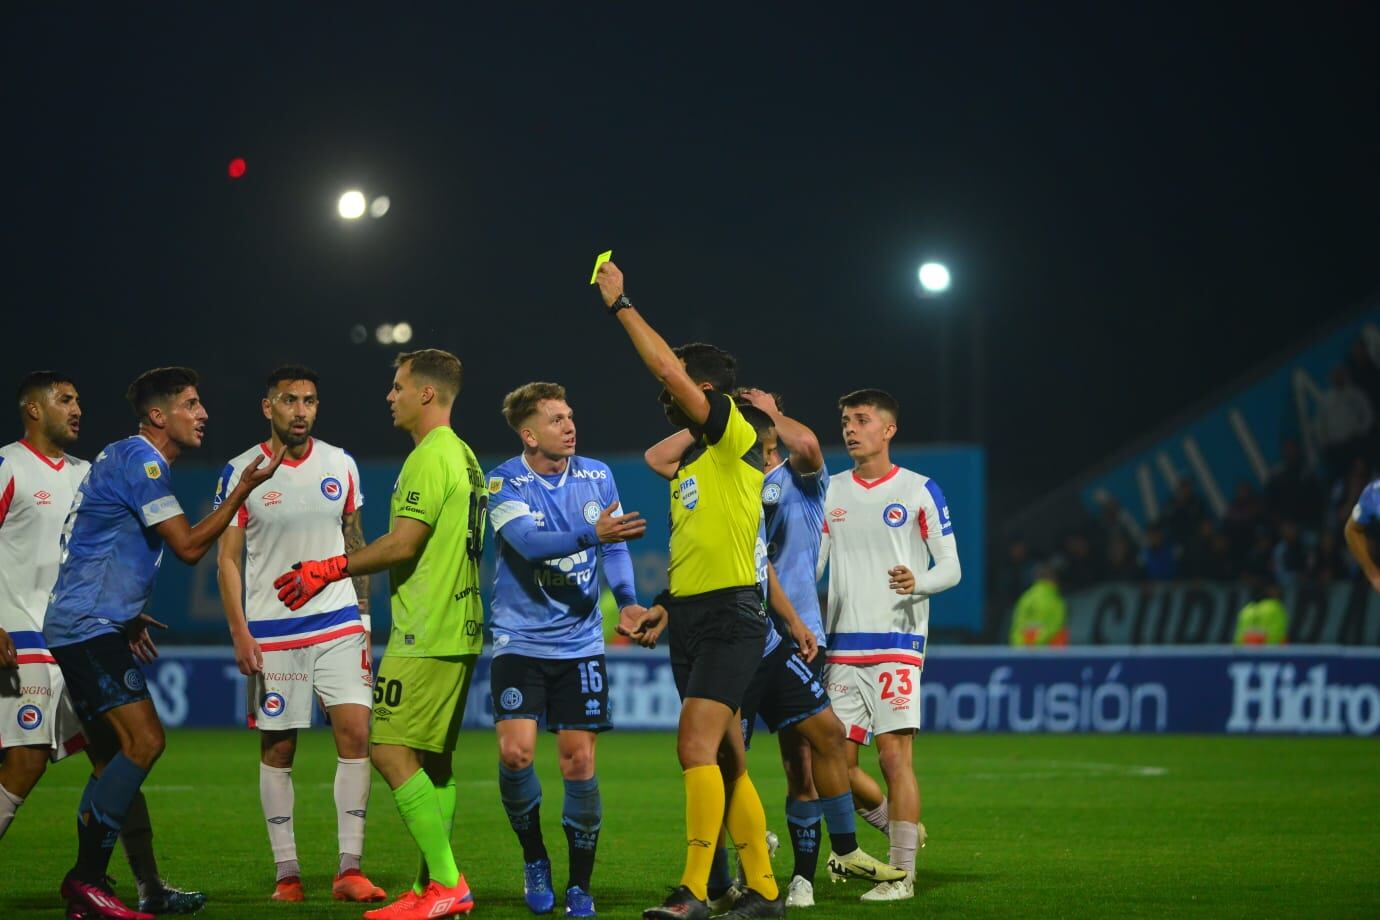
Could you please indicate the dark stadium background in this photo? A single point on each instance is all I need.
(1142, 204)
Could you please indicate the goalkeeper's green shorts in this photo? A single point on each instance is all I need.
(420, 702)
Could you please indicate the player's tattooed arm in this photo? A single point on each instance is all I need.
(353, 529)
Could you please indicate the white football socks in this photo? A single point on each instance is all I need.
(9, 804)
(877, 817)
(351, 801)
(276, 796)
(905, 837)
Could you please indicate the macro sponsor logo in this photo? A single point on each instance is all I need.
(1273, 696)
(1092, 704)
(272, 498)
(43, 497)
(561, 573)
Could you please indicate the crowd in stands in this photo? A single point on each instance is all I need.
(1283, 535)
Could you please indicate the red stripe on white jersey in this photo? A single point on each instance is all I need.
(5, 501)
(36, 658)
(878, 658)
(304, 641)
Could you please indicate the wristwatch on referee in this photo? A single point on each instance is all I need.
(622, 303)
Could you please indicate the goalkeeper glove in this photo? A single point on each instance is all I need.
(307, 579)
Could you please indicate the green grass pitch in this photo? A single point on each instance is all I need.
(1030, 826)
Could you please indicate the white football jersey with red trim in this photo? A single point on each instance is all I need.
(872, 527)
(294, 516)
(35, 495)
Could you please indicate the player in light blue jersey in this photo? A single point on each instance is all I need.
(559, 526)
(123, 517)
(1358, 528)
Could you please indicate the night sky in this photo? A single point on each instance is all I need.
(1141, 205)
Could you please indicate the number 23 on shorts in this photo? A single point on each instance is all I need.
(895, 682)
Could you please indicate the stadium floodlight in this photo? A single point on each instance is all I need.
(934, 277)
(379, 206)
(352, 205)
(384, 333)
(402, 333)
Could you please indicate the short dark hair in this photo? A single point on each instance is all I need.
(440, 368)
(709, 364)
(759, 420)
(36, 381)
(519, 405)
(158, 385)
(291, 372)
(879, 399)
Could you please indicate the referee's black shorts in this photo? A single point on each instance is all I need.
(716, 643)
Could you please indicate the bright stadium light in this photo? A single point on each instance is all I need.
(934, 277)
(384, 333)
(352, 205)
(379, 206)
(402, 333)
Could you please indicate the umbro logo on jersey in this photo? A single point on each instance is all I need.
(272, 498)
(838, 514)
(44, 497)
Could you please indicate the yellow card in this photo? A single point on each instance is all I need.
(600, 260)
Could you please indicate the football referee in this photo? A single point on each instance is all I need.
(717, 623)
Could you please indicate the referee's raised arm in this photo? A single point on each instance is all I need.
(651, 347)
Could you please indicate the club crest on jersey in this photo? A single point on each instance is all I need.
(895, 514)
(152, 469)
(331, 488)
(689, 493)
(591, 512)
(511, 698)
(30, 717)
(495, 484)
(771, 493)
(273, 704)
(134, 680)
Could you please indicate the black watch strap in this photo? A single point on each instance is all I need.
(622, 303)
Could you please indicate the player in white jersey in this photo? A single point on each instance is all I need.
(38, 723)
(883, 528)
(310, 510)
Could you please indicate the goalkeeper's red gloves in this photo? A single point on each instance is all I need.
(307, 579)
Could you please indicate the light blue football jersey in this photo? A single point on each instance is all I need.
(794, 509)
(760, 561)
(550, 608)
(110, 550)
(1367, 509)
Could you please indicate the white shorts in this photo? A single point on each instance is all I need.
(35, 710)
(335, 672)
(873, 699)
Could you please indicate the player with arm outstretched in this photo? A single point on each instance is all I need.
(884, 527)
(717, 621)
(559, 527)
(431, 553)
(38, 479)
(122, 519)
(787, 689)
(292, 658)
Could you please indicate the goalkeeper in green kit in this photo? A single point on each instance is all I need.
(431, 552)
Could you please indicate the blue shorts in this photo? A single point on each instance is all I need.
(101, 674)
(785, 689)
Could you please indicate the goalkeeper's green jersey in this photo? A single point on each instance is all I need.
(435, 597)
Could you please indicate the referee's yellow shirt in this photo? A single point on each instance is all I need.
(716, 504)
